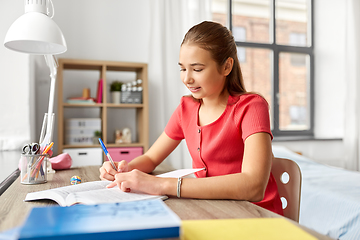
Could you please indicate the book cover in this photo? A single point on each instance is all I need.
(251, 228)
(99, 91)
(129, 220)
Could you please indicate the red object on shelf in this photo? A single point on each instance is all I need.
(99, 93)
(125, 153)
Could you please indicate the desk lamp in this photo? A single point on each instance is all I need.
(36, 33)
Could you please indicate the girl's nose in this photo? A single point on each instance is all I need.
(188, 79)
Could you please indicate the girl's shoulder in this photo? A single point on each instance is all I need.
(247, 99)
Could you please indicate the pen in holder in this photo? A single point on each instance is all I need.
(33, 168)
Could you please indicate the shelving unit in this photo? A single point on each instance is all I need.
(103, 68)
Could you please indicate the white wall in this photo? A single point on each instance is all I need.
(15, 83)
(329, 68)
(119, 30)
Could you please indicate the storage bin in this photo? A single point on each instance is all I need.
(85, 156)
(125, 153)
(84, 123)
(80, 131)
(79, 140)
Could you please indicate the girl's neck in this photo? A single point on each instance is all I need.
(220, 101)
(211, 109)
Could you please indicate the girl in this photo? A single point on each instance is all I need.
(227, 130)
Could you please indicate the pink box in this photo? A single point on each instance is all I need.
(125, 153)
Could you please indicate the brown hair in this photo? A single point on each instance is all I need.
(219, 41)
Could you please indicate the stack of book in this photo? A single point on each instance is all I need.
(86, 99)
(81, 100)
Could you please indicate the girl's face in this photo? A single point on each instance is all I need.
(200, 73)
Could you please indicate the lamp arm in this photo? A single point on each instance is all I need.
(52, 64)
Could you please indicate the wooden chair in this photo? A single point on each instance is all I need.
(288, 179)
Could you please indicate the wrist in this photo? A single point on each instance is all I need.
(129, 167)
(169, 186)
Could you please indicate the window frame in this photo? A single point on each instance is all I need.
(276, 50)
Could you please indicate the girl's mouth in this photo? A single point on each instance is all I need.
(194, 89)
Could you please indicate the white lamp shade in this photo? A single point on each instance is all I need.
(35, 33)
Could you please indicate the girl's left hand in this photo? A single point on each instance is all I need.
(136, 180)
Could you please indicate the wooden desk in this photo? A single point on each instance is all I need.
(13, 210)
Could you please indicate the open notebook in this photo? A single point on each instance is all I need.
(96, 192)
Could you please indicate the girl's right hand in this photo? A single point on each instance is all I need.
(107, 172)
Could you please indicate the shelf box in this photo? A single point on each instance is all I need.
(85, 156)
(125, 153)
(83, 123)
(81, 131)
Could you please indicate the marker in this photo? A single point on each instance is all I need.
(107, 154)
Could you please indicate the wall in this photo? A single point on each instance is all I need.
(329, 68)
(94, 30)
(15, 114)
(325, 151)
(113, 30)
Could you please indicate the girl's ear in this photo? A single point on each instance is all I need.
(228, 66)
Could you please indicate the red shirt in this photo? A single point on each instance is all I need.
(219, 146)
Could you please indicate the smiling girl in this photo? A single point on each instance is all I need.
(226, 129)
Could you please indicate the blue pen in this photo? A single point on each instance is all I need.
(107, 154)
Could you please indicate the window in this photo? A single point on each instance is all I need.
(239, 34)
(274, 42)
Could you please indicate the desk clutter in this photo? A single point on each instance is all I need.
(33, 163)
(15, 213)
(146, 219)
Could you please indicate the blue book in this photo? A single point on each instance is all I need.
(145, 219)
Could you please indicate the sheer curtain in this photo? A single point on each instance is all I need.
(352, 79)
(170, 20)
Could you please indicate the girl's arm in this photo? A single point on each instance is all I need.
(147, 162)
(249, 185)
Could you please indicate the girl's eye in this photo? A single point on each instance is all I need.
(197, 70)
(182, 70)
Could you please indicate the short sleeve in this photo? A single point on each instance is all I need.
(255, 117)
(173, 128)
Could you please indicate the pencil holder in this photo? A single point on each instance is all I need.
(33, 168)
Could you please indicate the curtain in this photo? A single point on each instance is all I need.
(352, 79)
(170, 20)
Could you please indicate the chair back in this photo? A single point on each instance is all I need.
(288, 179)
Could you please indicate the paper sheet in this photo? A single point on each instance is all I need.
(180, 173)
